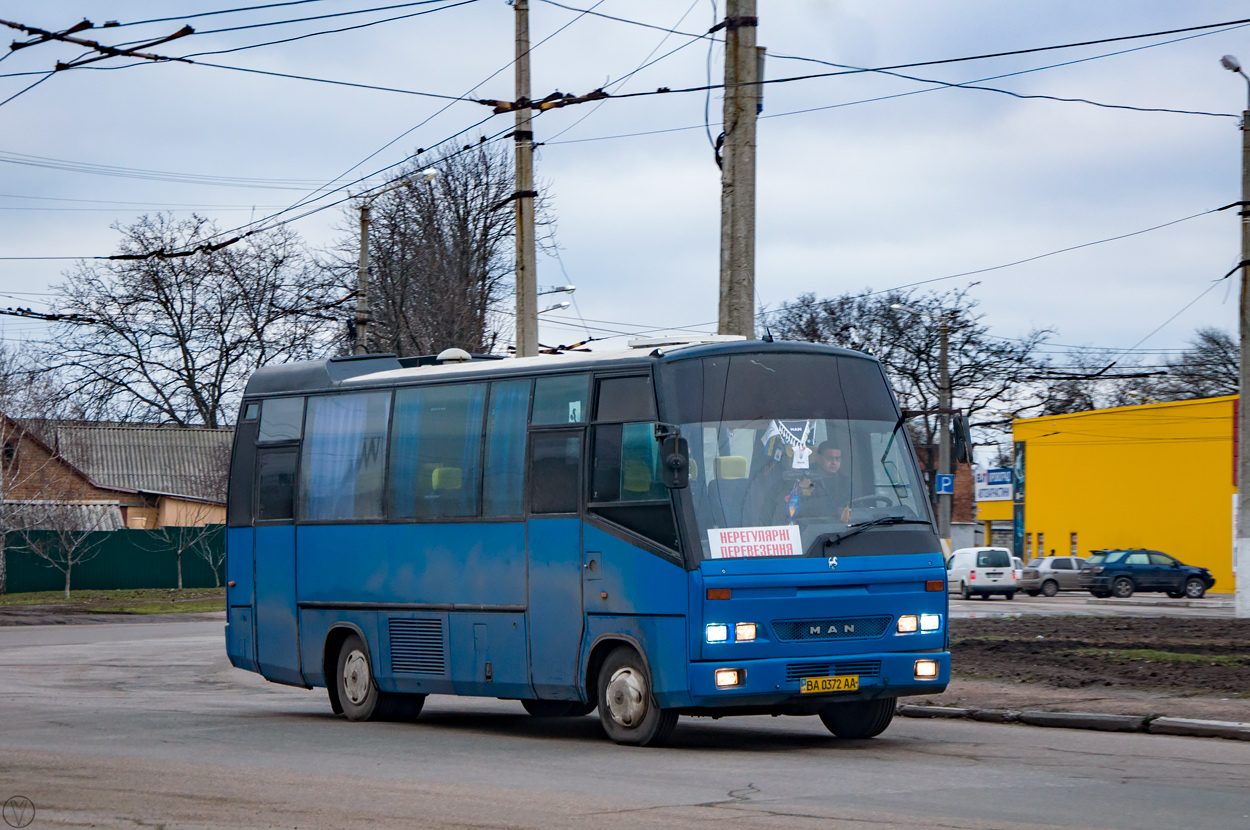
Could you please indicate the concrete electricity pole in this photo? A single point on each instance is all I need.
(1241, 545)
(944, 428)
(526, 256)
(363, 317)
(743, 93)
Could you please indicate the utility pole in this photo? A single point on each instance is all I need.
(526, 256)
(944, 427)
(361, 338)
(743, 94)
(1241, 545)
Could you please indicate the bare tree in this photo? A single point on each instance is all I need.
(440, 254)
(988, 375)
(63, 534)
(192, 530)
(173, 339)
(1210, 367)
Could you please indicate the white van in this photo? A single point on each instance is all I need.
(981, 571)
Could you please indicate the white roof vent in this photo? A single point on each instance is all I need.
(654, 342)
(453, 356)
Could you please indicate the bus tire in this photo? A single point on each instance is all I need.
(557, 708)
(358, 692)
(627, 707)
(861, 719)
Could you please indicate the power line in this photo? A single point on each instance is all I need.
(220, 11)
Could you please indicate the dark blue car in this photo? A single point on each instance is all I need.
(1118, 573)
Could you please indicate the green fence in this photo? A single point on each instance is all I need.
(118, 559)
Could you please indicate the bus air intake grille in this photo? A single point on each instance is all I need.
(417, 647)
(846, 628)
(864, 668)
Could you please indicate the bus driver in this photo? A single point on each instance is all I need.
(825, 494)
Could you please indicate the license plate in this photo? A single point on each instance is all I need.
(836, 683)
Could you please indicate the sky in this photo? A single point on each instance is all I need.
(853, 194)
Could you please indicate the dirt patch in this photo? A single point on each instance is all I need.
(1179, 667)
(1175, 655)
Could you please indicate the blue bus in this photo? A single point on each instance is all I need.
(707, 528)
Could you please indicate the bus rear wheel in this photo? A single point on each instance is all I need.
(358, 692)
(557, 708)
(861, 719)
(627, 707)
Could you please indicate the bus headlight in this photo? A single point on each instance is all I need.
(717, 633)
(907, 624)
(930, 622)
(744, 632)
(926, 669)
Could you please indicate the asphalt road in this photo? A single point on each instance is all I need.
(138, 725)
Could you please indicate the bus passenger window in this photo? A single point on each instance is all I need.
(275, 484)
(561, 400)
(344, 451)
(555, 480)
(436, 452)
(281, 419)
(625, 399)
(503, 491)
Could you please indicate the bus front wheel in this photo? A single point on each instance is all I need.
(358, 692)
(861, 719)
(627, 707)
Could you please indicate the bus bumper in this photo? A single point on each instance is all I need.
(778, 681)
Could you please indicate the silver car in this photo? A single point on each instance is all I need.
(1052, 574)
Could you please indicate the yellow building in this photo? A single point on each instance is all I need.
(1156, 476)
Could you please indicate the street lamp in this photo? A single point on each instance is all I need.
(944, 414)
(556, 307)
(361, 345)
(1241, 545)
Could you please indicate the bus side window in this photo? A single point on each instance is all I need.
(281, 419)
(561, 399)
(436, 452)
(503, 490)
(344, 452)
(275, 484)
(555, 483)
(625, 399)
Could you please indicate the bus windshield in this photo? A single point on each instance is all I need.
(823, 453)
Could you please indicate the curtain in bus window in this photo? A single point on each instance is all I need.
(344, 452)
(504, 488)
(436, 452)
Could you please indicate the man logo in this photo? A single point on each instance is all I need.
(847, 628)
(18, 811)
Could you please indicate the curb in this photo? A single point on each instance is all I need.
(1154, 725)
(1163, 603)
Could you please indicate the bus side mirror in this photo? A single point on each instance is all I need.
(675, 458)
(962, 435)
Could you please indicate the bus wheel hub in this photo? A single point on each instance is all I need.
(356, 677)
(627, 699)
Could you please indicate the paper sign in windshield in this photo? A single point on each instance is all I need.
(739, 542)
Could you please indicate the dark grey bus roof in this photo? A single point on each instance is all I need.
(362, 371)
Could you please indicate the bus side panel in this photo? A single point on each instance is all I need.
(458, 563)
(277, 630)
(315, 625)
(636, 582)
(663, 641)
(488, 655)
(240, 631)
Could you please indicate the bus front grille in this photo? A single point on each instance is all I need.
(417, 647)
(847, 628)
(863, 668)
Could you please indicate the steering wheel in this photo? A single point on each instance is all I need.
(873, 500)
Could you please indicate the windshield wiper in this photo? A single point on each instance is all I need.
(830, 540)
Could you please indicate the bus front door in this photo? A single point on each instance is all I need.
(277, 628)
(554, 551)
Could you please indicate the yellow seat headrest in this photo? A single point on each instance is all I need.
(730, 467)
(637, 476)
(446, 478)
